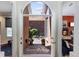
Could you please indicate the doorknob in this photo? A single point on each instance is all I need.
(20, 42)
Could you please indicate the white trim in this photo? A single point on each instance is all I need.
(28, 2)
(68, 15)
(35, 15)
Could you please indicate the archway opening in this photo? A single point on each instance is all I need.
(37, 29)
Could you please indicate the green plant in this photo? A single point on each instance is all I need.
(33, 32)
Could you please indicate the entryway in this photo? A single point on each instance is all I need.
(37, 29)
(39, 22)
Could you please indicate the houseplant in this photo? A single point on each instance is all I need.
(32, 32)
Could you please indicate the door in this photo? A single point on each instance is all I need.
(25, 31)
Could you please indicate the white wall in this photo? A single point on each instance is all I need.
(76, 31)
(68, 8)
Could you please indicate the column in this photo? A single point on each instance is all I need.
(48, 39)
(15, 31)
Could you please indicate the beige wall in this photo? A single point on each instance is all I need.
(3, 33)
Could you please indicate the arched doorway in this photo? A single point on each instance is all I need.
(37, 29)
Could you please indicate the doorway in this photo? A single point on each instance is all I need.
(67, 35)
(37, 29)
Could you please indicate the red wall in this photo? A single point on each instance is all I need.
(68, 18)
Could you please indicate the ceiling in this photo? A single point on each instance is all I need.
(68, 8)
(5, 8)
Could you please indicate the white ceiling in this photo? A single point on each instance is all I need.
(5, 7)
(69, 8)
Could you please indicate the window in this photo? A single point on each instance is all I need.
(37, 8)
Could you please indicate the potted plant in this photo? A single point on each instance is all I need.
(42, 40)
(32, 32)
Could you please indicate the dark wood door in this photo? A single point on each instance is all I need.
(26, 31)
